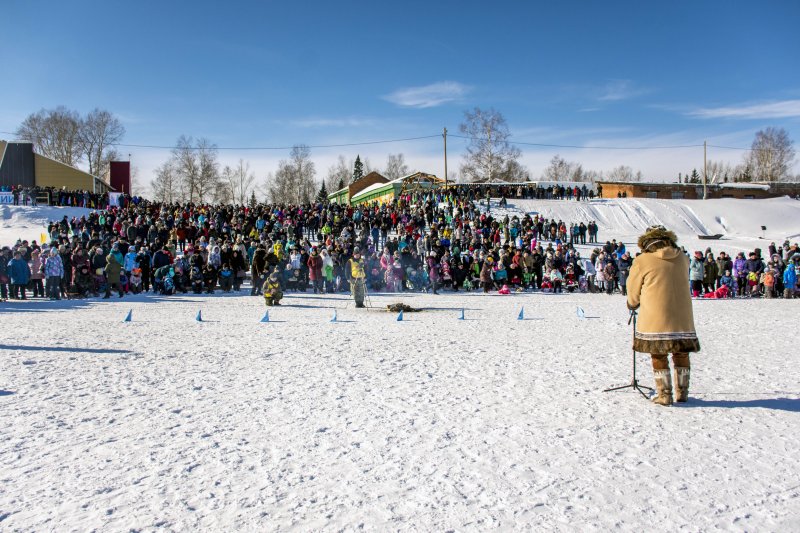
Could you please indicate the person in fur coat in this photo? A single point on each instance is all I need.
(666, 323)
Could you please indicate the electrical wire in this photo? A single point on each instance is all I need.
(523, 143)
(342, 145)
(407, 139)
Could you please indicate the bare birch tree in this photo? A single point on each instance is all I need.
(293, 182)
(396, 167)
(239, 181)
(55, 133)
(99, 131)
(167, 185)
(208, 167)
(339, 174)
(771, 155)
(490, 156)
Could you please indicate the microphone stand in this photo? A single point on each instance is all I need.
(634, 384)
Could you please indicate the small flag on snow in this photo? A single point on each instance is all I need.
(199, 316)
(129, 317)
(581, 313)
(265, 317)
(521, 315)
(462, 314)
(334, 316)
(400, 316)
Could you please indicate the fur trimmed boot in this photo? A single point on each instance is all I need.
(681, 384)
(663, 387)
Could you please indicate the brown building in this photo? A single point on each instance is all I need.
(694, 191)
(20, 165)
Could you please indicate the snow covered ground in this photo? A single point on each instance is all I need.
(491, 423)
(432, 423)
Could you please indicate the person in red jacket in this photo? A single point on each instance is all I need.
(314, 264)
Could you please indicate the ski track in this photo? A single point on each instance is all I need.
(739, 221)
(427, 424)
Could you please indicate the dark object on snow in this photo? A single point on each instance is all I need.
(716, 237)
(396, 308)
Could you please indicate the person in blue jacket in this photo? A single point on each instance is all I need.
(790, 278)
(20, 274)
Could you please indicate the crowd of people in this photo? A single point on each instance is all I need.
(424, 242)
(29, 196)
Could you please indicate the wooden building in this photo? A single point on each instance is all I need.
(694, 191)
(20, 165)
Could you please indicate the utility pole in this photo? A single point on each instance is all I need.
(705, 170)
(445, 158)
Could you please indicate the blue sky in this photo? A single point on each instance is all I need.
(275, 74)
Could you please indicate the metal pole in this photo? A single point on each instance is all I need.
(705, 171)
(445, 159)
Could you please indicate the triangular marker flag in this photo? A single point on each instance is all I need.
(129, 318)
(334, 316)
(462, 314)
(581, 313)
(266, 316)
(521, 314)
(199, 316)
(400, 316)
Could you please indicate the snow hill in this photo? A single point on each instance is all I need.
(739, 221)
(28, 223)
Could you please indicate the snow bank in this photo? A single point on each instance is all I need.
(430, 424)
(739, 221)
(28, 223)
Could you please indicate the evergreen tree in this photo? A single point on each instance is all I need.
(341, 184)
(695, 177)
(322, 195)
(253, 201)
(358, 169)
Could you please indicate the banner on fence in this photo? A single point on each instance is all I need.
(114, 199)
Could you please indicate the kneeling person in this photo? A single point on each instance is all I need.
(272, 290)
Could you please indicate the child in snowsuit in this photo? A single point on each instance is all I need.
(196, 279)
(226, 278)
(135, 281)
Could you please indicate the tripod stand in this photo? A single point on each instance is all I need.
(634, 384)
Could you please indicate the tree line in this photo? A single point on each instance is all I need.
(68, 137)
(193, 173)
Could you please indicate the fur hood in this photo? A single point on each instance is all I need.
(657, 237)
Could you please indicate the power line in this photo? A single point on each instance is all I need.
(743, 149)
(407, 139)
(591, 147)
(342, 145)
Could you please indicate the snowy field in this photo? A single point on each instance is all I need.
(430, 424)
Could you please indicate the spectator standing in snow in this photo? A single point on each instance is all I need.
(666, 321)
(19, 273)
(53, 271)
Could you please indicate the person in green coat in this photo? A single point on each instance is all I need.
(710, 274)
(113, 269)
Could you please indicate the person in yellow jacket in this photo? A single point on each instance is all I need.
(272, 289)
(356, 275)
(658, 286)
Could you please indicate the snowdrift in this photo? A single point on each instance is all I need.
(739, 221)
(28, 223)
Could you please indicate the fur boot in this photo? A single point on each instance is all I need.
(663, 387)
(681, 384)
